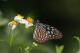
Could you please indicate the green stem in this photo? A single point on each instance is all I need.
(11, 37)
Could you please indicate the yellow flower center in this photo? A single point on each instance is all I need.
(30, 20)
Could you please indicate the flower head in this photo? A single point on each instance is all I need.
(13, 24)
(19, 19)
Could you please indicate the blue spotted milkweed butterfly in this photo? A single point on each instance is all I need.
(44, 32)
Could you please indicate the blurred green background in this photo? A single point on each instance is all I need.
(62, 14)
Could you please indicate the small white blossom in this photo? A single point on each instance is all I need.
(19, 19)
(23, 21)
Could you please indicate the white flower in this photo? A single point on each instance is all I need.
(20, 20)
(23, 21)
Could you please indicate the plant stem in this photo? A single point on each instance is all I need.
(11, 37)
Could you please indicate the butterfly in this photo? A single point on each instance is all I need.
(43, 33)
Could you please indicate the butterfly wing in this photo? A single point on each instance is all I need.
(43, 33)
(55, 34)
(39, 34)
